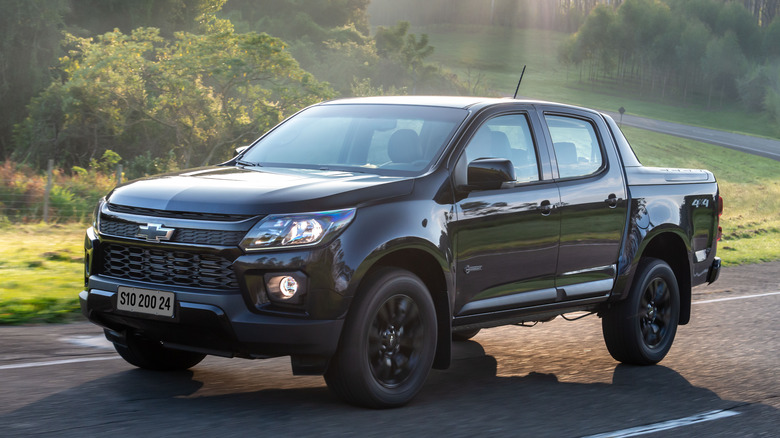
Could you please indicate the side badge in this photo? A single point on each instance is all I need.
(468, 269)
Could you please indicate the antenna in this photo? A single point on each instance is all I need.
(518, 83)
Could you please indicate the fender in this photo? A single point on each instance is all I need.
(404, 245)
(649, 219)
(666, 239)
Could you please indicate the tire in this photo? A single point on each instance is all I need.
(464, 335)
(388, 343)
(640, 329)
(151, 355)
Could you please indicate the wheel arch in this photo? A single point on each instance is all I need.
(670, 247)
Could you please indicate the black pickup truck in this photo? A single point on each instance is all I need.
(361, 236)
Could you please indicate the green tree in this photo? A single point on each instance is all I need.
(198, 96)
(733, 17)
(94, 17)
(689, 50)
(29, 44)
(390, 40)
(330, 38)
(759, 90)
(706, 11)
(723, 63)
(314, 20)
(397, 44)
(771, 38)
(415, 51)
(596, 41)
(685, 46)
(772, 101)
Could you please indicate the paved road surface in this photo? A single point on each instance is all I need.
(763, 147)
(556, 379)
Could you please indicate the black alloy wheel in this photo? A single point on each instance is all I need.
(656, 312)
(640, 329)
(388, 342)
(395, 340)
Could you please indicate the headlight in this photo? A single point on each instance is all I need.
(96, 215)
(289, 230)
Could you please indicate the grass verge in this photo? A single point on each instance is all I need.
(41, 273)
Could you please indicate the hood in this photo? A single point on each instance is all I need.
(244, 191)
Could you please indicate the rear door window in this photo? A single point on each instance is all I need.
(577, 149)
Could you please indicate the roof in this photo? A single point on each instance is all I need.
(463, 102)
(442, 101)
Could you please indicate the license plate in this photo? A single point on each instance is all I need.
(150, 302)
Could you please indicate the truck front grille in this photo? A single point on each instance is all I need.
(181, 235)
(168, 267)
(178, 214)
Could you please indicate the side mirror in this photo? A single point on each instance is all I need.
(240, 150)
(490, 173)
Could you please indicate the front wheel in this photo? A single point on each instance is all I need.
(640, 329)
(388, 343)
(151, 355)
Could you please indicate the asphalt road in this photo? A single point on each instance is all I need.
(763, 147)
(555, 379)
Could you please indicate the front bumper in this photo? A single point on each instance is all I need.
(222, 306)
(218, 325)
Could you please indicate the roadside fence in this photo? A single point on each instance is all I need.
(52, 198)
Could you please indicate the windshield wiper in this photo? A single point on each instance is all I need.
(248, 163)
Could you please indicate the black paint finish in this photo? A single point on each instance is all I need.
(523, 251)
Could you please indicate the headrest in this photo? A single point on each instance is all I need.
(404, 146)
(565, 153)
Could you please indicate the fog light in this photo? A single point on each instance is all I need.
(288, 287)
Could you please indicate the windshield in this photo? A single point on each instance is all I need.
(382, 139)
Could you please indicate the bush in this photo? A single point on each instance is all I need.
(144, 164)
(21, 193)
(61, 204)
(757, 86)
(772, 104)
(72, 197)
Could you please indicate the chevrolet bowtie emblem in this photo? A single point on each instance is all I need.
(154, 232)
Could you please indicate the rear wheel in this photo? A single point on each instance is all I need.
(388, 342)
(151, 355)
(640, 329)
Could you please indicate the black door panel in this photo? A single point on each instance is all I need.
(593, 204)
(507, 245)
(506, 240)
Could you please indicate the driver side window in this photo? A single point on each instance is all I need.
(508, 136)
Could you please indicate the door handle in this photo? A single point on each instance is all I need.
(612, 200)
(546, 207)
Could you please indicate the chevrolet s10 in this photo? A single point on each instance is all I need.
(361, 236)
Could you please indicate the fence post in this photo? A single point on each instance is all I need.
(49, 182)
(118, 174)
